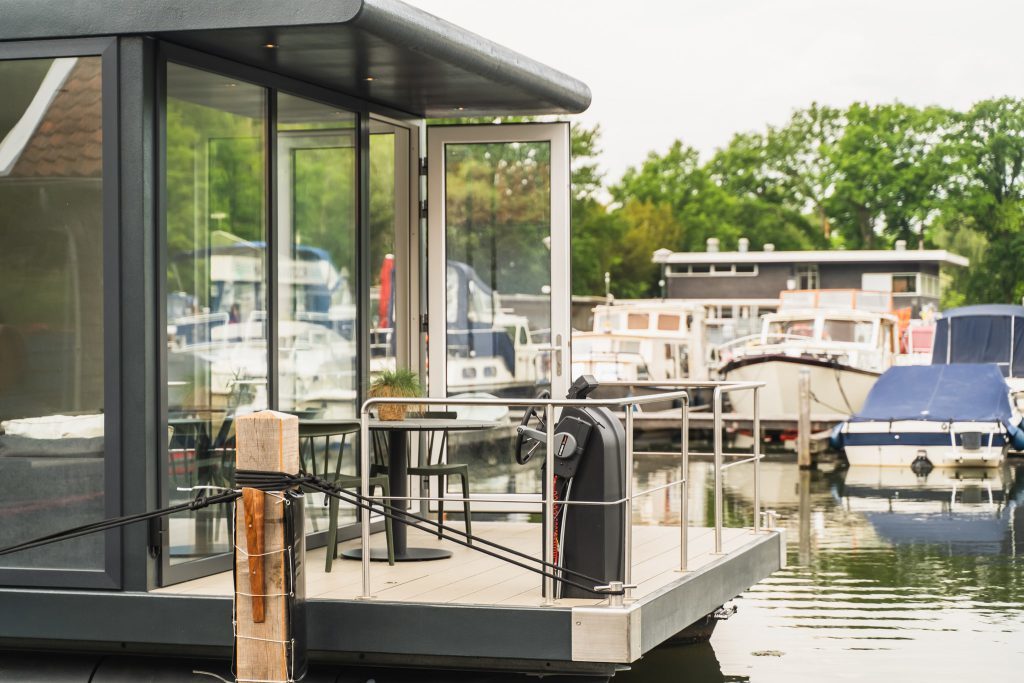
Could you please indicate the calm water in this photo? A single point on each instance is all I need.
(890, 577)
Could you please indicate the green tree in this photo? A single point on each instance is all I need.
(889, 172)
(986, 197)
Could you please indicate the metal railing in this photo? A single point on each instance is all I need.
(670, 390)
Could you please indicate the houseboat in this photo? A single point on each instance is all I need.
(135, 137)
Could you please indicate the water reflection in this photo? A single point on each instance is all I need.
(886, 571)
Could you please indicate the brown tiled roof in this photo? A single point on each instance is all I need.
(67, 142)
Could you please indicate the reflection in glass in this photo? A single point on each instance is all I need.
(383, 214)
(316, 216)
(51, 308)
(498, 226)
(216, 289)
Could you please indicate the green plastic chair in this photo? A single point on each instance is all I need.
(308, 433)
(434, 468)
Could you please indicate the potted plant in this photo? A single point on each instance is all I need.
(402, 383)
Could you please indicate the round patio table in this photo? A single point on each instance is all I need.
(398, 479)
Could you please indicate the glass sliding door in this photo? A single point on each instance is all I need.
(316, 237)
(52, 403)
(217, 284)
(498, 213)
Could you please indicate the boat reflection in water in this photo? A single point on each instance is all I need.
(886, 570)
(967, 511)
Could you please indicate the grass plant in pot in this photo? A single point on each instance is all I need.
(399, 383)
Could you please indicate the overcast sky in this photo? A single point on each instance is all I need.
(701, 70)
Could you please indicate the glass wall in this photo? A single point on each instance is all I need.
(216, 289)
(497, 227)
(316, 234)
(51, 309)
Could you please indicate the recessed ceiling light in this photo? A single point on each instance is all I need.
(271, 46)
(460, 109)
(369, 78)
(230, 85)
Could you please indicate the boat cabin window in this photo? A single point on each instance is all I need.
(798, 328)
(637, 321)
(669, 323)
(852, 331)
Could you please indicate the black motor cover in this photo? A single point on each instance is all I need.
(593, 535)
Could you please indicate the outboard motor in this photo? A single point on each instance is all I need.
(590, 452)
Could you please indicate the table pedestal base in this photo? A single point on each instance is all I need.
(409, 555)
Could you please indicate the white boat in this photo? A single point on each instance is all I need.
(641, 340)
(934, 416)
(844, 338)
(658, 331)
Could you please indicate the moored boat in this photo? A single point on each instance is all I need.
(934, 416)
(844, 338)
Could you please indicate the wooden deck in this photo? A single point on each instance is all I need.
(473, 578)
(483, 597)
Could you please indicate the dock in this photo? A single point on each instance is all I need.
(474, 611)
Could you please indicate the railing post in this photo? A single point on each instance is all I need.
(628, 512)
(364, 492)
(719, 516)
(757, 459)
(548, 584)
(684, 495)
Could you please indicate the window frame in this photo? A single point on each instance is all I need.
(106, 49)
(273, 84)
(713, 270)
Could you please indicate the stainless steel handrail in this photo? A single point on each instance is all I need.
(549, 405)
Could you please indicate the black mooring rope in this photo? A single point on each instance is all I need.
(196, 503)
(277, 481)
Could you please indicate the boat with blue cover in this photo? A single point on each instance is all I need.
(957, 415)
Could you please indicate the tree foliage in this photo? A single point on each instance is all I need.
(860, 178)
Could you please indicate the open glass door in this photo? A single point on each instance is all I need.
(499, 282)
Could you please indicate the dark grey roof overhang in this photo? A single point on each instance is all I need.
(419, 63)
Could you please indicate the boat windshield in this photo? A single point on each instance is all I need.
(853, 331)
(801, 327)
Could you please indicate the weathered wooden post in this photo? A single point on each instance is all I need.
(803, 456)
(269, 553)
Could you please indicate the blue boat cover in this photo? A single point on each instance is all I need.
(939, 393)
(992, 333)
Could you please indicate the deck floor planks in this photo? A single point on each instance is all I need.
(470, 577)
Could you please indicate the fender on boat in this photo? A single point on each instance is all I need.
(835, 438)
(1016, 434)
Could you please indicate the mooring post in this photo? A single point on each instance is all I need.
(803, 456)
(269, 581)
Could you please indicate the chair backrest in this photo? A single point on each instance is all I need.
(433, 453)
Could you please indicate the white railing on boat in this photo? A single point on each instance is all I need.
(670, 390)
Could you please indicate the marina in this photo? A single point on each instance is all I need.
(327, 354)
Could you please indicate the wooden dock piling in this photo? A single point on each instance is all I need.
(268, 576)
(803, 455)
